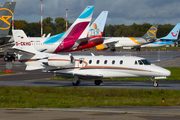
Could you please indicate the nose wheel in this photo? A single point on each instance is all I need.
(155, 84)
(154, 80)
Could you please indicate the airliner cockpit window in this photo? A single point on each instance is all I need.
(140, 62)
(146, 62)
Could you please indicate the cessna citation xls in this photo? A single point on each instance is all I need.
(85, 67)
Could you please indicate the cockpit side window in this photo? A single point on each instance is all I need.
(146, 62)
(140, 62)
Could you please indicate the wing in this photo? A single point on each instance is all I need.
(80, 76)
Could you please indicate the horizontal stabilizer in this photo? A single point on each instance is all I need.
(34, 67)
(21, 51)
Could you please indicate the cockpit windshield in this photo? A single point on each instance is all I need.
(146, 62)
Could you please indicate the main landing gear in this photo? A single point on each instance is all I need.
(154, 80)
(113, 50)
(98, 82)
(76, 81)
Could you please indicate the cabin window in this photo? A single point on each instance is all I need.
(90, 61)
(121, 62)
(80, 62)
(97, 61)
(135, 63)
(113, 62)
(140, 62)
(105, 62)
(146, 62)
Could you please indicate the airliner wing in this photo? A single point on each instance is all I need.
(96, 39)
(82, 40)
(110, 42)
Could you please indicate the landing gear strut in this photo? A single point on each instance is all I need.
(76, 82)
(154, 80)
(113, 49)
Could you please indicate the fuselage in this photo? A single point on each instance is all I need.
(105, 66)
(160, 43)
(121, 42)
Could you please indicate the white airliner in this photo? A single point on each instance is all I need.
(85, 67)
(129, 42)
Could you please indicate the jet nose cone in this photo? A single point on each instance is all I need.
(166, 72)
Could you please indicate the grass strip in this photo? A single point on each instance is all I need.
(60, 97)
(175, 76)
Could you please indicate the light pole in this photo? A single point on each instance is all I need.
(12, 21)
(66, 20)
(41, 19)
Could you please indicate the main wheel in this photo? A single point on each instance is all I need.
(155, 84)
(6, 58)
(138, 49)
(113, 49)
(77, 83)
(97, 82)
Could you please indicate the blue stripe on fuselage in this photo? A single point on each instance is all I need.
(164, 42)
(54, 38)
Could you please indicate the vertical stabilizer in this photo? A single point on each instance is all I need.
(80, 27)
(151, 33)
(6, 13)
(97, 27)
(173, 35)
(77, 30)
(22, 42)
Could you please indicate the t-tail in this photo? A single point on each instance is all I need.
(97, 27)
(26, 52)
(6, 13)
(77, 30)
(173, 35)
(22, 43)
(150, 35)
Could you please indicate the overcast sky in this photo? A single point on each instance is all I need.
(120, 11)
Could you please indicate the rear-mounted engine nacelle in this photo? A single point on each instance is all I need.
(63, 62)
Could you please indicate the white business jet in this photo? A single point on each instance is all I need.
(85, 67)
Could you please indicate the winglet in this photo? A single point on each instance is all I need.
(173, 35)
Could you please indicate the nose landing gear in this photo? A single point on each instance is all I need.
(154, 80)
